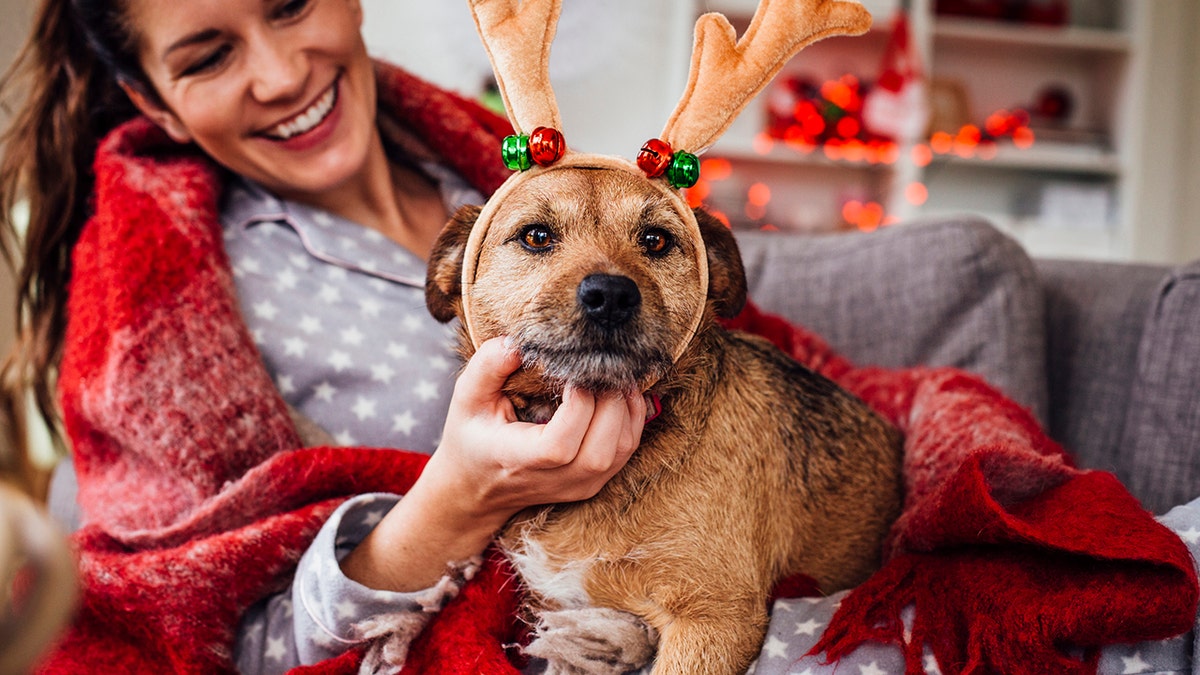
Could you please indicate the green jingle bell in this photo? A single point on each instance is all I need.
(514, 150)
(684, 170)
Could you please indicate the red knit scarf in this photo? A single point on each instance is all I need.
(199, 503)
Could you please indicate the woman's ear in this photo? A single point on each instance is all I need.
(157, 113)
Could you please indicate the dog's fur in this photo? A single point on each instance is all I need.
(757, 468)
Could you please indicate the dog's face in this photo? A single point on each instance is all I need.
(594, 275)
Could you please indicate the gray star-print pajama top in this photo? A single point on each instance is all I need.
(338, 313)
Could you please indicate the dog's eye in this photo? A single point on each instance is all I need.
(656, 242)
(537, 238)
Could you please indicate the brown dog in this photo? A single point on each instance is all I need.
(756, 469)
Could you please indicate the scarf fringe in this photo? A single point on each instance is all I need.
(1036, 595)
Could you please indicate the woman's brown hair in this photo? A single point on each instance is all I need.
(67, 76)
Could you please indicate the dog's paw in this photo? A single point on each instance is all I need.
(592, 641)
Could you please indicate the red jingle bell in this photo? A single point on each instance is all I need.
(654, 158)
(546, 146)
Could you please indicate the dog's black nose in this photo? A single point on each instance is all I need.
(609, 300)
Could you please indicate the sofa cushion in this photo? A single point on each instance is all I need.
(947, 292)
(1162, 427)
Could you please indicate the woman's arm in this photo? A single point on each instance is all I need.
(488, 467)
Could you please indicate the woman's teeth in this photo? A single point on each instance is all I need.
(307, 119)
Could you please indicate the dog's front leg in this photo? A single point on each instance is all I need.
(592, 641)
(709, 647)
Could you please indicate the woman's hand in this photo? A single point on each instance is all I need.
(489, 466)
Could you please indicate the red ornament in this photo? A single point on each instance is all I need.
(655, 157)
(546, 146)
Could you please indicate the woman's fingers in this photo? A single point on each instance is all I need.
(595, 435)
(482, 380)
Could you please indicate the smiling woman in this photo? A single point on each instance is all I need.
(281, 93)
(231, 207)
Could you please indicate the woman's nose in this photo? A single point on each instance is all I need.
(278, 69)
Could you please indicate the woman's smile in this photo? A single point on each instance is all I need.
(308, 119)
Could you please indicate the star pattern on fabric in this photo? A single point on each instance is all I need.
(775, 648)
(1134, 664)
(346, 609)
(295, 346)
(352, 336)
(871, 668)
(404, 422)
(276, 649)
(285, 384)
(372, 518)
(286, 279)
(808, 627)
(346, 347)
(265, 310)
(382, 372)
(426, 390)
(364, 408)
(324, 392)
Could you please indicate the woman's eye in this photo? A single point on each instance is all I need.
(656, 242)
(291, 8)
(207, 62)
(537, 238)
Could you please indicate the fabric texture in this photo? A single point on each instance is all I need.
(1162, 429)
(1096, 314)
(326, 611)
(797, 625)
(198, 503)
(938, 293)
(337, 311)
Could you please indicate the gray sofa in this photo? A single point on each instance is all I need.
(1106, 355)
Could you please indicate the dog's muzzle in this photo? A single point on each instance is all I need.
(609, 300)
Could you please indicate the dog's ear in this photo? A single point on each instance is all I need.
(443, 278)
(726, 276)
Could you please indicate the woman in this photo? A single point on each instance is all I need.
(282, 96)
(203, 289)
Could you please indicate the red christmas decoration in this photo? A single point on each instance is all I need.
(654, 157)
(546, 146)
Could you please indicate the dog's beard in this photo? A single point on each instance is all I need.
(594, 359)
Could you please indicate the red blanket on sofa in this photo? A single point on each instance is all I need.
(199, 502)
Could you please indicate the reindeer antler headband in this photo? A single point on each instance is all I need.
(726, 73)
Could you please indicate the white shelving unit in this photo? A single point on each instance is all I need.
(1060, 198)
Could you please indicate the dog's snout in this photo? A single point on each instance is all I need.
(608, 299)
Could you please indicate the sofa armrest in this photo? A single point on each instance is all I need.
(1161, 437)
(1095, 318)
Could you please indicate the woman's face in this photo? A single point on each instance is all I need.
(279, 91)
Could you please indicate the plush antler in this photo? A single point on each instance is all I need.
(726, 73)
(519, 59)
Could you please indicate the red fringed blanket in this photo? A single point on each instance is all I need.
(199, 503)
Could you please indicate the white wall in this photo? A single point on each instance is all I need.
(1165, 227)
(614, 88)
(1189, 207)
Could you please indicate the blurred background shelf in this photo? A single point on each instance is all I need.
(1095, 161)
